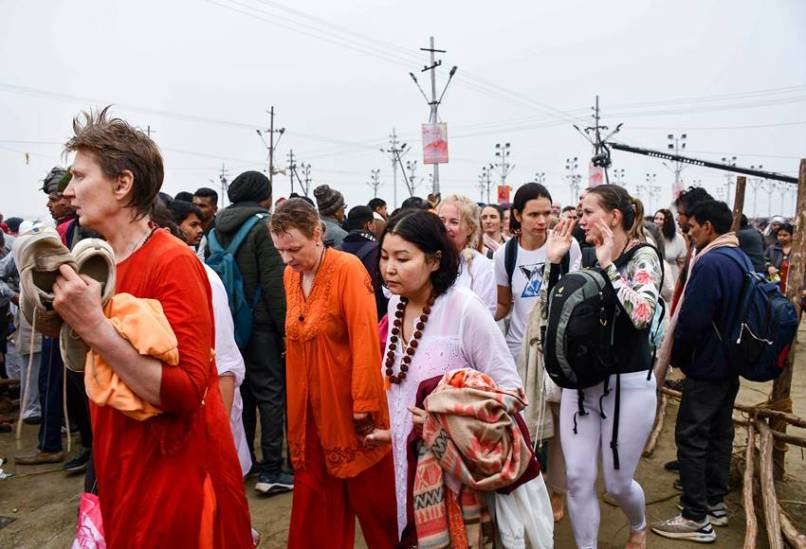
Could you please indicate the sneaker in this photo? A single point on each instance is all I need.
(38, 255)
(672, 465)
(32, 420)
(274, 483)
(680, 527)
(717, 514)
(78, 463)
(677, 485)
(38, 457)
(95, 258)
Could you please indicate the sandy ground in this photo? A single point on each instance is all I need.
(43, 501)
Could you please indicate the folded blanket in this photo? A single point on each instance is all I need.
(470, 433)
(142, 323)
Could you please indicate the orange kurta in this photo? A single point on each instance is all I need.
(333, 363)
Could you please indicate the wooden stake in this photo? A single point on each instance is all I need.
(768, 497)
(793, 537)
(738, 203)
(751, 528)
(653, 437)
(782, 385)
(792, 419)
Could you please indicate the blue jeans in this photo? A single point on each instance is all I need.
(50, 396)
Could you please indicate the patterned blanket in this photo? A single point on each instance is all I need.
(470, 433)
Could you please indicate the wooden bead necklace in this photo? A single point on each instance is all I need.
(396, 336)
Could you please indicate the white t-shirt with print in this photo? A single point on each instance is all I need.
(527, 279)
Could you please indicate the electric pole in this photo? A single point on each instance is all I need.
(271, 146)
(434, 102)
(728, 178)
(678, 145)
(374, 181)
(306, 182)
(395, 151)
(291, 167)
(755, 182)
(571, 165)
(618, 177)
(411, 167)
(222, 177)
(652, 189)
(502, 153)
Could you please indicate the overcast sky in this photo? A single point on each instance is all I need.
(202, 74)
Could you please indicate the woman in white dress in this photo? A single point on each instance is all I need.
(461, 217)
(442, 327)
(674, 245)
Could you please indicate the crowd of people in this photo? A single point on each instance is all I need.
(396, 363)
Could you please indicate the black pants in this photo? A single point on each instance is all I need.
(263, 392)
(78, 406)
(704, 436)
(50, 396)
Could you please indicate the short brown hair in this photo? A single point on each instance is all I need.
(117, 147)
(295, 213)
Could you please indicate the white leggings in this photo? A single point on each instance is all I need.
(581, 450)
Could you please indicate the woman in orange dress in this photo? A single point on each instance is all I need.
(334, 390)
(173, 480)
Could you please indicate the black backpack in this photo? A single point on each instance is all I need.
(579, 335)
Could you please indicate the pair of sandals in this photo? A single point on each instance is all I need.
(38, 255)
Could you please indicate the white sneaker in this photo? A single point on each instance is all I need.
(680, 527)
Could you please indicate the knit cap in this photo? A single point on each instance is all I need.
(328, 200)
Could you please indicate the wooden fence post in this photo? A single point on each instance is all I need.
(781, 386)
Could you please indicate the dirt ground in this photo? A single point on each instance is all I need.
(43, 502)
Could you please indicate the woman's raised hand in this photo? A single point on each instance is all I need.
(604, 245)
(559, 240)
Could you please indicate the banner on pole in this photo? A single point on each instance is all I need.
(503, 193)
(435, 143)
(677, 188)
(595, 176)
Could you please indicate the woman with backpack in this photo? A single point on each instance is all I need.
(624, 404)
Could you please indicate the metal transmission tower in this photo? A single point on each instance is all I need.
(502, 153)
(395, 150)
(677, 144)
(755, 183)
(374, 181)
(434, 102)
(271, 145)
(574, 179)
(728, 178)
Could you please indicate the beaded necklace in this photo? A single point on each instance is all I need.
(397, 335)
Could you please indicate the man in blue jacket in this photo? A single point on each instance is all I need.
(704, 430)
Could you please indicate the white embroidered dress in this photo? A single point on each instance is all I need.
(460, 333)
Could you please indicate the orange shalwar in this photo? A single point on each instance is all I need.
(333, 369)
